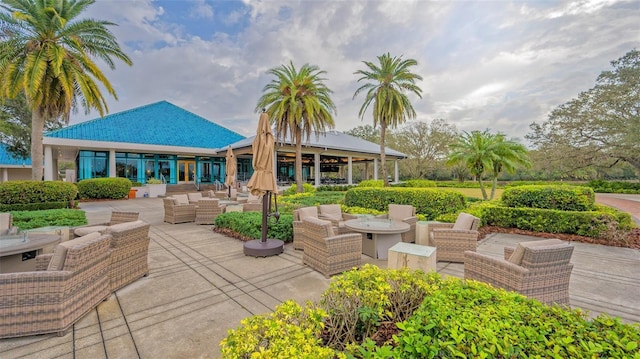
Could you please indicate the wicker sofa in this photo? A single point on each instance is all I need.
(116, 218)
(207, 209)
(66, 285)
(178, 209)
(129, 251)
(327, 252)
(538, 269)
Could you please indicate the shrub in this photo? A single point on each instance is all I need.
(371, 183)
(35, 195)
(249, 224)
(419, 183)
(307, 188)
(428, 202)
(614, 186)
(335, 188)
(104, 188)
(310, 199)
(564, 198)
(154, 181)
(54, 217)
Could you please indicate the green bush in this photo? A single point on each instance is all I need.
(249, 224)
(104, 188)
(419, 183)
(307, 188)
(563, 198)
(54, 217)
(335, 188)
(371, 183)
(428, 202)
(36, 195)
(542, 183)
(308, 199)
(601, 186)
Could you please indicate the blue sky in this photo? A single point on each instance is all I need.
(497, 65)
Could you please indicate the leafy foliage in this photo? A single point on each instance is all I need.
(307, 188)
(615, 187)
(563, 198)
(45, 218)
(371, 183)
(419, 183)
(99, 188)
(249, 224)
(26, 195)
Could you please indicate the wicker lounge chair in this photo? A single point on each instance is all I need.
(298, 227)
(538, 269)
(178, 209)
(404, 213)
(116, 218)
(329, 253)
(207, 210)
(68, 284)
(333, 213)
(194, 197)
(453, 239)
(129, 251)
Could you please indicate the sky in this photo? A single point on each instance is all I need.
(486, 65)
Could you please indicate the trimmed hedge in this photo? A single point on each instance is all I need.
(249, 224)
(35, 195)
(615, 186)
(54, 217)
(428, 202)
(104, 188)
(563, 198)
(419, 183)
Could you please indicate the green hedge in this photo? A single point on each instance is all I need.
(564, 198)
(427, 201)
(419, 183)
(47, 218)
(35, 195)
(104, 188)
(455, 318)
(249, 224)
(615, 187)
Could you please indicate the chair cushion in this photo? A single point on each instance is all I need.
(331, 211)
(518, 253)
(194, 197)
(464, 221)
(180, 199)
(400, 212)
(60, 253)
(124, 226)
(308, 212)
(83, 231)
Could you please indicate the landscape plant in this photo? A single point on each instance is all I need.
(36, 195)
(249, 225)
(104, 188)
(45, 218)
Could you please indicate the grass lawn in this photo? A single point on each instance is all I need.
(473, 192)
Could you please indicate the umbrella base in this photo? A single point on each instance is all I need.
(258, 248)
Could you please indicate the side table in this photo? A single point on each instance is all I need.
(412, 256)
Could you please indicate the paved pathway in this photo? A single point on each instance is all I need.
(625, 202)
(200, 285)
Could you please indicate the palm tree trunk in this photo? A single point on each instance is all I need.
(383, 157)
(299, 187)
(482, 189)
(37, 127)
(494, 184)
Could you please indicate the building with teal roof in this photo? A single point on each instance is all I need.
(13, 168)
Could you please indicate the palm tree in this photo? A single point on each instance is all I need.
(299, 104)
(47, 53)
(386, 88)
(477, 151)
(510, 155)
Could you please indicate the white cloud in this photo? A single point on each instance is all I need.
(200, 9)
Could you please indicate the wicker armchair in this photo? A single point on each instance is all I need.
(328, 253)
(129, 251)
(116, 218)
(404, 213)
(207, 210)
(67, 285)
(178, 213)
(194, 197)
(333, 213)
(298, 227)
(453, 239)
(538, 269)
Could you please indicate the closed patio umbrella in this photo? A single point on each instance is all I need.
(263, 182)
(231, 164)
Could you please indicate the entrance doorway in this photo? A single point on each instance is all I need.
(186, 171)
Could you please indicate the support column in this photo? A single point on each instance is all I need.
(112, 163)
(397, 176)
(48, 163)
(350, 170)
(375, 169)
(316, 169)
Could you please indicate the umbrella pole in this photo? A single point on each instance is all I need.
(265, 209)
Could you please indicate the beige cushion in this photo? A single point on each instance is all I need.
(124, 226)
(308, 212)
(83, 231)
(60, 253)
(518, 253)
(180, 199)
(331, 211)
(194, 197)
(464, 221)
(400, 211)
(5, 223)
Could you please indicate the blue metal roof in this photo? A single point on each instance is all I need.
(161, 123)
(8, 159)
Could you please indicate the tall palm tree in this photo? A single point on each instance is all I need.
(510, 155)
(386, 89)
(47, 53)
(477, 151)
(298, 102)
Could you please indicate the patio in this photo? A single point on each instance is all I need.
(201, 284)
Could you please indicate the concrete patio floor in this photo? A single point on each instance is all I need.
(200, 285)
